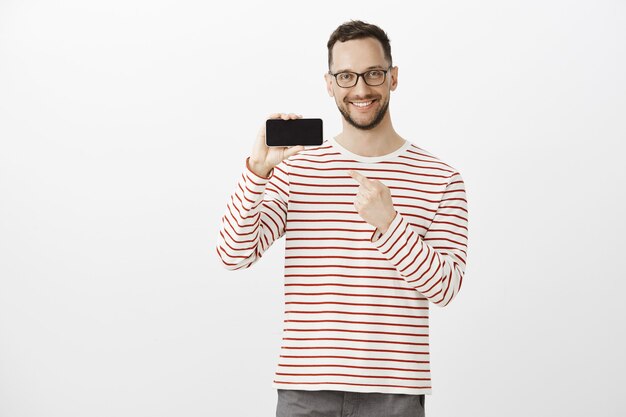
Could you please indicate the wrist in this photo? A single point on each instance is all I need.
(258, 169)
(383, 229)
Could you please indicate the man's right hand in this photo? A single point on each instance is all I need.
(264, 158)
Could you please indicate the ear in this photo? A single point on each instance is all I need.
(329, 84)
(394, 78)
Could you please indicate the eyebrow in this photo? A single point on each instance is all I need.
(366, 69)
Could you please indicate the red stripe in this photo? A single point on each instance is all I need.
(345, 276)
(376, 268)
(431, 231)
(336, 284)
(393, 187)
(328, 247)
(275, 188)
(382, 163)
(359, 313)
(349, 184)
(365, 171)
(415, 258)
(236, 206)
(357, 349)
(335, 257)
(317, 238)
(418, 152)
(345, 203)
(393, 297)
(392, 233)
(377, 323)
(439, 213)
(279, 228)
(427, 257)
(395, 252)
(266, 228)
(357, 331)
(382, 368)
(234, 229)
(352, 383)
(329, 229)
(357, 340)
(353, 304)
(235, 249)
(228, 255)
(356, 376)
(249, 179)
(361, 221)
(408, 197)
(352, 213)
(353, 357)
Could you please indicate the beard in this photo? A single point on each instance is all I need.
(378, 117)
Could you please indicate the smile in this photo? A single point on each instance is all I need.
(363, 105)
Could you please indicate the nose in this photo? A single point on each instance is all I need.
(361, 88)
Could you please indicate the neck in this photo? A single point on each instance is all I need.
(378, 141)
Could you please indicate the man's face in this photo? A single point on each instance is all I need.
(360, 55)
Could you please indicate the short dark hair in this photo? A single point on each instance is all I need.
(357, 29)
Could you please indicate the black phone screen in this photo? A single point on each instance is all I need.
(292, 132)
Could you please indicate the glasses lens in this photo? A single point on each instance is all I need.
(375, 77)
(346, 79)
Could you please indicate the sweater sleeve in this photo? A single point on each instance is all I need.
(255, 217)
(435, 264)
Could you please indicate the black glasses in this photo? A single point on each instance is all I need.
(349, 79)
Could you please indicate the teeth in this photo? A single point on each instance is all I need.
(362, 103)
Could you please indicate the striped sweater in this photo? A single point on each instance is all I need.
(356, 300)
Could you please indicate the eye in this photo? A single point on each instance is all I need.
(375, 74)
(345, 76)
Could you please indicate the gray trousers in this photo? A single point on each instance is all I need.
(326, 403)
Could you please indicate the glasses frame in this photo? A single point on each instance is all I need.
(362, 75)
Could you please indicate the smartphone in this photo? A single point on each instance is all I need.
(292, 132)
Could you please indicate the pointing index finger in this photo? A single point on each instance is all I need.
(360, 178)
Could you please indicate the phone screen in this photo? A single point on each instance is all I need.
(292, 132)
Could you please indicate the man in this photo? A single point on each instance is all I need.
(376, 229)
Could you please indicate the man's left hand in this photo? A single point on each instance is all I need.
(373, 202)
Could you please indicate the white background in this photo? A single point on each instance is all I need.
(125, 125)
